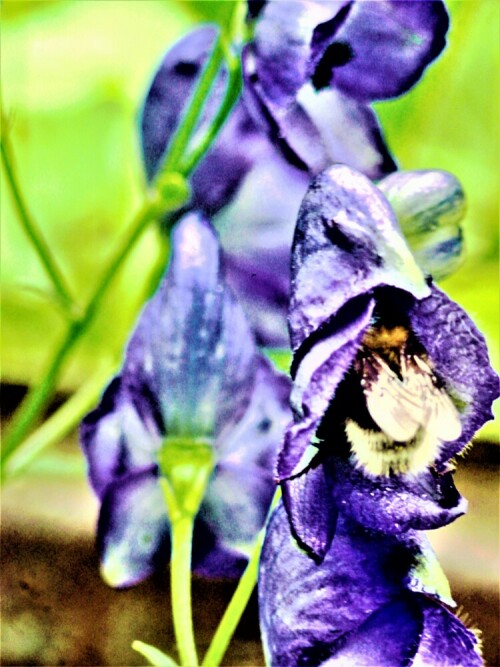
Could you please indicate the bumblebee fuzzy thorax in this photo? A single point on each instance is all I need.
(397, 411)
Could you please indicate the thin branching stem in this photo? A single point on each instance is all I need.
(29, 225)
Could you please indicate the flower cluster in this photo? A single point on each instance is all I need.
(391, 379)
(305, 106)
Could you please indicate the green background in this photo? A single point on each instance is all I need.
(73, 77)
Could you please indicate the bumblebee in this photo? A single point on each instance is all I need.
(393, 410)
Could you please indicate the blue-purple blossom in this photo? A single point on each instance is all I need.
(314, 67)
(256, 181)
(191, 372)
(391, 378)
(376, 599)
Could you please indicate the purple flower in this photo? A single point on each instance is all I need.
(314, 67)
(391, 377)
(191, 372)
(368, 603)
(254, 184)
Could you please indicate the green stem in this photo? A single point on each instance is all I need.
(186, 466)
(233, 90)
(39, 397)
(238, 603)
(187, 125)
(180, 589)
(236, 24)
(41, 246)
(60, 423)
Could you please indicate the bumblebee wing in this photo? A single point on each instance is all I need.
(398, 409)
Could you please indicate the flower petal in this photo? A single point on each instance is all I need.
(120, 436)
(387, 637)
(133, 532)
(235, 509)
(412, 630)
(319, 128)
(254, 439)
(460, 356)
(306, 488)
(429, 205)
(217, 177)
(286, 44)
(311, 510)
(256, 232)
(398, 503)
(349, 132)
(391, 43)
(347, 242)
(445, 640)
(355, 608)
(193, 342)
(306, 609)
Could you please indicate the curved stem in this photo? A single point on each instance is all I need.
(57, 426)
(39, 397)
(186, 466)
(232, 615)
(41, 246)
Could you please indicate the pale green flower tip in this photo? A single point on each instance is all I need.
(428, 577)
(112, 571)
(429, 205)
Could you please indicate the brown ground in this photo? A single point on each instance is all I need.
(57, 611)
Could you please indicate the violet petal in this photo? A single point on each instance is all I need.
(256, 231)
(309, 504)
(395, 504)
(319, 128)
(117, 437)
(259, 431)
(305, 608)
(193, 342)
(391, 44)
(236, 505)
(133, 532)
(284, 46)
(347, 242)
(356, 607)
(460, 356)
(388, 637)
(445, 640)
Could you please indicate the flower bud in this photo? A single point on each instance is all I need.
(429, 205)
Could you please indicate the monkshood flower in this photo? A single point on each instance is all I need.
(391, 377)
(314, 67)
(375, 599)
(191, 375)
(257, 182)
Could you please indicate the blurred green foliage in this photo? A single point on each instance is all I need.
(73, 77)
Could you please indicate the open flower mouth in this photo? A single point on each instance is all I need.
(392, 410)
